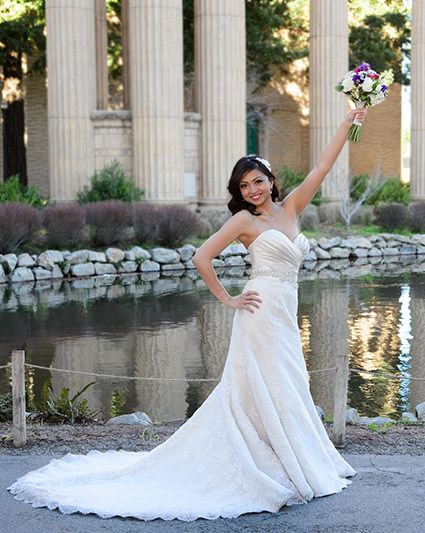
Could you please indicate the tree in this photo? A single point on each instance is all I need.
(21, 35)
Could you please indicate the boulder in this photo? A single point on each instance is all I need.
(189, 265)
(46, 262)
(311, 256)
(104, 269)
(128, 266)
(134, 419)
(359, 252)
(408, 249)
(356, 242)
(187, 252)
(420, 411)
(97, 257)
(409, 417)
(3, 277)
(149, 266)
(137, 252)
(42, 273)
(418, 238)
(83, 269)
(247, 260)
(9, 262)
(320, 253)
(165, 256)
(234, 260)
(390, 251)
(25, 260)
(227, 252)
(114, 255)
(217, 263)
(54, 255)
(172, 266)
(339, 253)
(326, 244)
(374, 252)
(352, 416)
(238, 249)
(378, 420)
(76, 258)
(21, 274)
(56, 272)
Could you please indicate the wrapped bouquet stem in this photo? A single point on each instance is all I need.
(365, 88)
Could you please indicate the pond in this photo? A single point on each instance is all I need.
(174, 328)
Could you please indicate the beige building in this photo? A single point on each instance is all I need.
(180, 157)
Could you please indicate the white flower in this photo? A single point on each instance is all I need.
(378, 88)
(367, 85)
(347, 84)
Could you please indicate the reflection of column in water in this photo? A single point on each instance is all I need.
(328, 338)
(98, 355)
(163, 353)
(404, 333)
(216, 328)
(417, 362)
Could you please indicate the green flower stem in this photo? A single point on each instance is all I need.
(354, 134)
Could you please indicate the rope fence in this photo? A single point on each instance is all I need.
(341, 370)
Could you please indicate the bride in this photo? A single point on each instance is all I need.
(257, 442)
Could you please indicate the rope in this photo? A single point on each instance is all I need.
(385, 375)
(6, 366)
(322, 370)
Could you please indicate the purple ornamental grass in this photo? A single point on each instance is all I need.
(64, 225)
(18, 225)
(108, 221)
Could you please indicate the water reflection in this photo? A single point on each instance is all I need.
(174, 328)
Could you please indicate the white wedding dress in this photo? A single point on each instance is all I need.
(255, 444)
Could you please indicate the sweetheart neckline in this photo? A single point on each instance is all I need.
(281, 232)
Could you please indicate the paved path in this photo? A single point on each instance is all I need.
(387, 496)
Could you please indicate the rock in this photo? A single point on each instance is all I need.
(76, 258)
(172, 266)
(352, 416)
(339, 253)
(46, 262)
(227, 252)
(238, 249)
(234, 260)
(187, 252)
(56, 272)
(359, 252)
(83, 269)
(356, 242)
(189, 265)
(9, 262)
(320, 412)
(217, 263)
(135, 419)
(139, 252)
(393, 243)
(25, 260)
(97, 257)
(378, 420)
(247, 260)
(149, 266)
(311, 256)
(114, 255)
(165, 256)
(128, 266)
(408, 249)
(326, 244)
(420, 249)
(390, 251)
(408, 417)
(3, 277)
(104, 268)
(320, 253)
(418, 238)
(42, 273)
(420, 411)
(21, 274)
(54, 255)
(374, 252)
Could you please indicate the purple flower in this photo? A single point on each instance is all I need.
(384, 88)
(364, 67)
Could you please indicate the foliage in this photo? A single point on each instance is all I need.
(63, 408)
(18, 224)
(6, 407)
(175, 224)
(380, 31)
(393, 190)
(288, 180)
(391, 216)
(416, 217)
(111, 183)
(108, 221)
(145, 222)
(13, 191)
(64, 225)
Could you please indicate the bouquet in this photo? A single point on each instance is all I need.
(365, 88)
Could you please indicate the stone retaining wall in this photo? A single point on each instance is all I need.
(54, 264)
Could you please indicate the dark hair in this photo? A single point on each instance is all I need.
(244, 165)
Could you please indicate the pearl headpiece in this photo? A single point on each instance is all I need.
(261, 160)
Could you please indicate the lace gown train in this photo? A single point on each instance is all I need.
(255, 444)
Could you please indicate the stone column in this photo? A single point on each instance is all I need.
(101, 55)
(156, 63)
(328, 64)
(417, 69)
(220, 92)
(71, 63)
(125, 53)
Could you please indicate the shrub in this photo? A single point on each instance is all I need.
(392, 191)
(108, 221)
(12, 191)
(288, 180)
(111, 183)
(175, 224)
(6, 407)
(18, 224)
(391, 216)
(416, 217)
(145, 222)
(64, 225)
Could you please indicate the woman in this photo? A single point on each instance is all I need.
(257, 442)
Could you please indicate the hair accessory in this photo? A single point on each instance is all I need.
(261, 160)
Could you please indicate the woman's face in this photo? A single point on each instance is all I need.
(255, 187)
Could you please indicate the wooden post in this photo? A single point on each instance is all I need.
(18, 393)
(340, 401)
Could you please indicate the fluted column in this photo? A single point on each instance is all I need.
(71, 64)
(417, 160)
(328, 64)
(156, 63)
(220, 92)
(101, 55)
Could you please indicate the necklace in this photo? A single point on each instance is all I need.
(265, 215)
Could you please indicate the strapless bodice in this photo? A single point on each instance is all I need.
(274, 249)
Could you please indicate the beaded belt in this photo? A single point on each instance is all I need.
(285, 274)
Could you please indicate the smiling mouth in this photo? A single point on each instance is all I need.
(256, 197)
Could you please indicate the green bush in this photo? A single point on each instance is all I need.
(111, 183)
(288, 180)
(6, 407)
(12, 191)
(393, 191)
